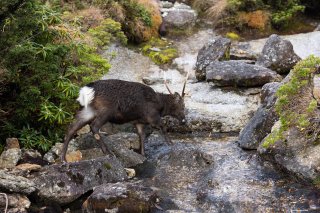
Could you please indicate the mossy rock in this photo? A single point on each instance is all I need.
(160, 51)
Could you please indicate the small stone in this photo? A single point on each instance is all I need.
(84, 130)
(74, 156)
(12, 143)
(9, 158)
(155, 49)
(130, 172)
(28, 167)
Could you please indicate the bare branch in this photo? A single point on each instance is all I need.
(7, 201)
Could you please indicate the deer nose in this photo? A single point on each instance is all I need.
(183, 121)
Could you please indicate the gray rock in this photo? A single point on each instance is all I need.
(12, 143)
(237, 73)
(16, 203)
(262, 121)
(55, 152)
(66, 182)
(118, 144)
(121, 197)
(180, 17)
(216, 50)
(297, 151)
(31, 156)
(166, 4)
(278, 55)
(241, 51)
(9, 158)
(16, 184)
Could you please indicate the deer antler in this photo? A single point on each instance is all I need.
(165, 83)
(184, 85)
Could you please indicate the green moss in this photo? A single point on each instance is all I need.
(160, 51)
(293, 106)
(107, 166)
(272, 138)
(233, 36)
(316, 181)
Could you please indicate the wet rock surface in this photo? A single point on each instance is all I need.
(121, 197)
(203, 174)
(259, 126)
(239, 74)
(63, 183)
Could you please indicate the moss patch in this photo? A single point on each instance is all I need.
(160, 51)
(295, 105)
(233, 36)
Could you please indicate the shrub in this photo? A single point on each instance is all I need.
(140, 19)
(46, 60)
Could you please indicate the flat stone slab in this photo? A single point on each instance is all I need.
(239, 74)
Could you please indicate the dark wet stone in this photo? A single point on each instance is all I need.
(32, 157)
(122, 197)
(278, 55)
(262, 121)
(217, 50)
(64, 183)
(237, 73)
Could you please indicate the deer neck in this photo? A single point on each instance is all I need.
(167, 103)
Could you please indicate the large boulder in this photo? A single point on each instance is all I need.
(294, 141)
(63, 183)
(16, 184)
(86, 147)
(122, 197)
(237, 73)
(216, 50)
(262, 121)
(278, 55)
(179, 16)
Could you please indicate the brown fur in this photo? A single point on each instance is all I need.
(119, 102)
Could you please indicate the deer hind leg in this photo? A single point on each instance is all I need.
(142, 136)
(95, 126)
(83, 117)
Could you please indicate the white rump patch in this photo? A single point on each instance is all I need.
(87, 113)
(86, 95)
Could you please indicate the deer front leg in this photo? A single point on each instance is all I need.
(142, 136)
(163, 130)
(156, 123)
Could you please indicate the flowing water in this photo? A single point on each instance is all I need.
(208, 172)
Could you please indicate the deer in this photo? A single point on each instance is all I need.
(119, 102)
